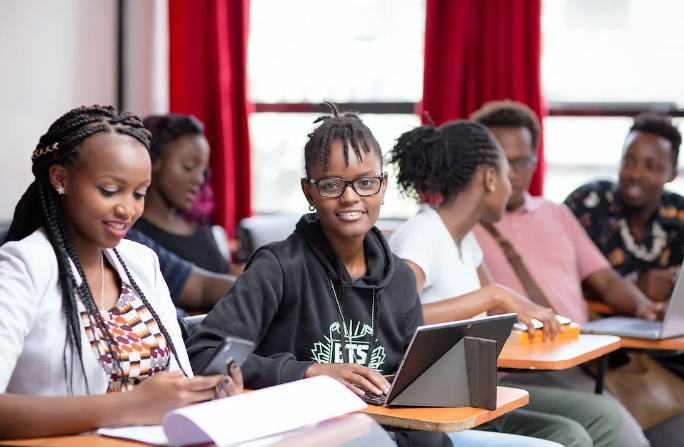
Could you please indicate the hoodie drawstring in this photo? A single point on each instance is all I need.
(344, 334)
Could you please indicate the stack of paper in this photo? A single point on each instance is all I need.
(249, 416)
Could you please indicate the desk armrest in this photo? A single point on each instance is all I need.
(600, 307)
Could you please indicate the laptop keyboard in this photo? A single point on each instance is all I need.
(633, 324)
(646, 325)
(374, 399)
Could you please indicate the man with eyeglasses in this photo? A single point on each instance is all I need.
(558, 255)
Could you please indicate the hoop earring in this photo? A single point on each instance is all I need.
(312, 208)
(60, 190)
(382, 202)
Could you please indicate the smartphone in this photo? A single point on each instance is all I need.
(518, 326)
(237, 348)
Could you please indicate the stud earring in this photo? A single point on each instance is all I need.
(60, 190)
(312, 208)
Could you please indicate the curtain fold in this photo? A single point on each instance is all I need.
(482, 50)
(208, 78)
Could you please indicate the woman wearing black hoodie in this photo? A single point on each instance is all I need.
(331, 299)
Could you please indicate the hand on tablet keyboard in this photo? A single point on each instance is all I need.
(373, 399)
(351, 374)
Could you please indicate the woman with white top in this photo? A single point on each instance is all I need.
(86, 316)
(461, 168)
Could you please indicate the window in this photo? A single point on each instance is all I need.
(367, 54)
(603, 62)
(613, 51)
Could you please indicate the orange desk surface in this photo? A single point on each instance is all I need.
(447, 419)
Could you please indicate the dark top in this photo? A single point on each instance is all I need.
(174, 269)
(199, 248)
(598, 206)
(284, 303)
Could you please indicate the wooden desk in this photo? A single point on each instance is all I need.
(355, 430)
(669, 344)
(447, 419)
(562, 354)
(73, 441)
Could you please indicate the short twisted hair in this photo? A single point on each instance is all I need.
(512, 114)
(348, 128)
(661, 125)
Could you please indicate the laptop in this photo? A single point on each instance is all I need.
(431, 342)
(632, 327)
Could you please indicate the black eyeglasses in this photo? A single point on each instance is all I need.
(333, 187)
(522, 162)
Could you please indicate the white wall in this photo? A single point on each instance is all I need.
(146, 64)
(54, 56)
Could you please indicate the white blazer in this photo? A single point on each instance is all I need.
(33, 326)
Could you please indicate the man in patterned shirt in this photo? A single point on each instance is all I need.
(635, 223)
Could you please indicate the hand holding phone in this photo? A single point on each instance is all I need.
(233, 349)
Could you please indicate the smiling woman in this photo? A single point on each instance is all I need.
(174, 215)
(74, 294)
(331, 299)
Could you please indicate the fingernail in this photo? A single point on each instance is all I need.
(234, 366)
(220, 390)
(226, 381)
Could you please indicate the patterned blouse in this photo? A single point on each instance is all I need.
(140, 346)
(598, 207)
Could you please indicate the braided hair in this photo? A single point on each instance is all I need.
(166, 128)
(348, 128)
(661, 125)
(40, 206)
(434, 162)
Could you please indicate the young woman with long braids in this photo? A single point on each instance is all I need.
(86, 314)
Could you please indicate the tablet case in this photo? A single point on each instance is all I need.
(465, 376)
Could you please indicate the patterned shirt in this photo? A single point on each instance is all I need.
(140, 346)
(598, 206)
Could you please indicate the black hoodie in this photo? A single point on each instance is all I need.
(284, 303)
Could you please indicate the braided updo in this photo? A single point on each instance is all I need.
(434, 162)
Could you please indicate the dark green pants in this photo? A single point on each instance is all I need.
(570, 418)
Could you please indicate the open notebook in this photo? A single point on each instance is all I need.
(249, 416)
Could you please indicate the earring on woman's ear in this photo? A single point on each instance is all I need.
(60, 190)
(312, 207)
(382, 202)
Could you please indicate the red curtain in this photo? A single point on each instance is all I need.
(208, 78)
(482, 50)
